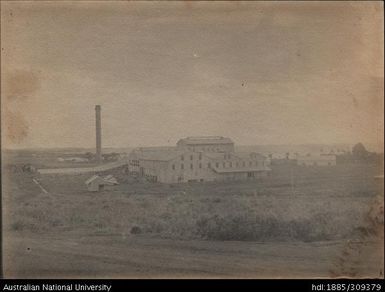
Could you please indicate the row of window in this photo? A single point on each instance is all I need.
(135, 162)
(225, 156)
(237, 164)
(230, 164)
(208, 149)
(192, 166)
(192, 157)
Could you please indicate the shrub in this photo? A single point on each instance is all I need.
(18, 225)
(136, 230)
(226, 228)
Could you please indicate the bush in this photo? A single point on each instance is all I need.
(226, 228)
(18, 225)
(263, 228)
(136, 230)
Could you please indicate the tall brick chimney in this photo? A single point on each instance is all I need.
(98, 133)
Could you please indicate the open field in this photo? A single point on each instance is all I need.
(313, 221)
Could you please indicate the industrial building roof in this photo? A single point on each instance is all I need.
(158, 155)
(206, 140)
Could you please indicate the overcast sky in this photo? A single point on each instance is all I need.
(260, 73)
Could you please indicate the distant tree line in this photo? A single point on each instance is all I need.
(359, 154)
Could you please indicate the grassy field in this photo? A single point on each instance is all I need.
(302, 205)
(305, 204)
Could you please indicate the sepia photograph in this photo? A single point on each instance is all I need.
(192, 140)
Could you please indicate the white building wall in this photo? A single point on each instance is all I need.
(195, 166)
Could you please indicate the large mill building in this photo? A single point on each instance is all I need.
(210, 158)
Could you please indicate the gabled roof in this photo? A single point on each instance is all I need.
(110, 179)
(102, 181)
(91, 179)
(205, 140)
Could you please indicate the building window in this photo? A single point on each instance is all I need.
(224, 164)
(200, 165)
(231, 164)
(236, 164)
(200, 156)
(191, 166)
(217, 165)
(244, 164)
(182, 157)
(182, 166)
(173, 167)
(191, 157)
(225, 156)
(256, 163)
(209, 165)
(250, 163)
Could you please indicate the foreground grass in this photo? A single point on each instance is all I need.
(315, 205)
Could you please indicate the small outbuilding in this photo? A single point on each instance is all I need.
(97, 183)
(111, 179)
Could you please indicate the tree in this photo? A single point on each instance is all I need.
(359, 151)
(89, 155)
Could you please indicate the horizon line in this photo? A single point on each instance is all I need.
(239, 145)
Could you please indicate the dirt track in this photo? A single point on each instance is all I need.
(72, 256)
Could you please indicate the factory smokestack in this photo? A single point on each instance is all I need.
(98, 133)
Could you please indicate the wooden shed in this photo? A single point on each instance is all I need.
(111, 179)
(97, 183)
